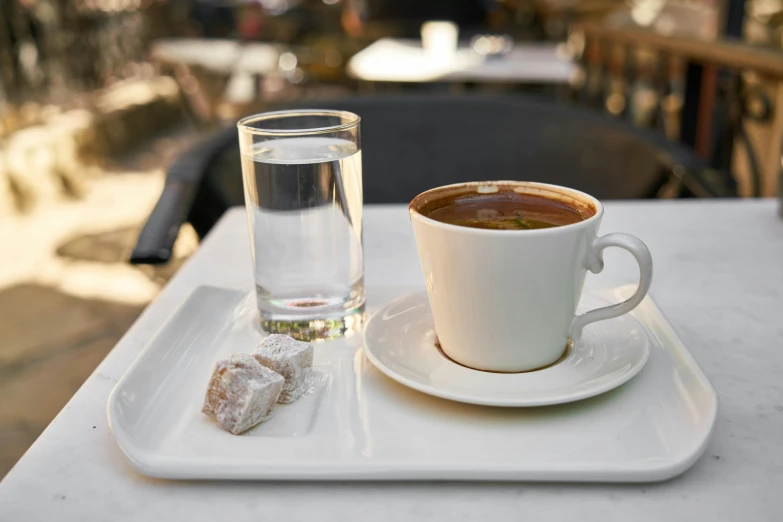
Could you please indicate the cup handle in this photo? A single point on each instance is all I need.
(595, 263)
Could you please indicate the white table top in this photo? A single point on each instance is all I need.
(400, 60)
(718, 278)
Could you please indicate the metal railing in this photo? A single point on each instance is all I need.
(713, 89)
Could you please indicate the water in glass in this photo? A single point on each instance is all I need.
(304, 204)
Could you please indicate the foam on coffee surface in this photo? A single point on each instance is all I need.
(502, 210)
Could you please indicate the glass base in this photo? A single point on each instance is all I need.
(313, 316)
(316, 329)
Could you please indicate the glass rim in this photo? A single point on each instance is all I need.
(244, 125)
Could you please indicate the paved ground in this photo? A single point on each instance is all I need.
(66, 293)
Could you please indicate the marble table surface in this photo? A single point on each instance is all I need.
(718, 278)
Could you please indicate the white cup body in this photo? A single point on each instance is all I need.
(504, 300)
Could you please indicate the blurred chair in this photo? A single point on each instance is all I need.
(411, 144)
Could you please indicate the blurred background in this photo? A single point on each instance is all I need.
(118, 151)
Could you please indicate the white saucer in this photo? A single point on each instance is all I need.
(400, 341)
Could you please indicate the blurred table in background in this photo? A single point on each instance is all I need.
(222, 56)
(213, 70)
(403, 60)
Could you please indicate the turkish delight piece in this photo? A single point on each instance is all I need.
(290, 358)
(241, 393)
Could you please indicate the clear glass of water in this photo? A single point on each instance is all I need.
(302, 173)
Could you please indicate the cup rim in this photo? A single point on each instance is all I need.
(564, 192)
(244, 125)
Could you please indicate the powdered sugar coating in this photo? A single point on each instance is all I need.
(290, 358)
(241, 393)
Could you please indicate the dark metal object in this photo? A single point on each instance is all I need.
(727, 110)
(698, 106)
(734, 18)
(411, 144)
(690, 108)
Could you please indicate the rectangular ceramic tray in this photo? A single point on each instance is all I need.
(359, 424)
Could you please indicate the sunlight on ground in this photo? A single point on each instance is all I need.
(112, 202)
(109, 282)
(67, 293)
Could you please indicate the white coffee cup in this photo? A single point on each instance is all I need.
(505, 300)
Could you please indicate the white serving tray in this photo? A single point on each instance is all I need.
(359, 424)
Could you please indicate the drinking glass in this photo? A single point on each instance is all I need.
(302, 172)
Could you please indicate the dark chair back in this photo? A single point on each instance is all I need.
(411, 144)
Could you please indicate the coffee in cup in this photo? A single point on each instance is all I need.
(505, 262)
